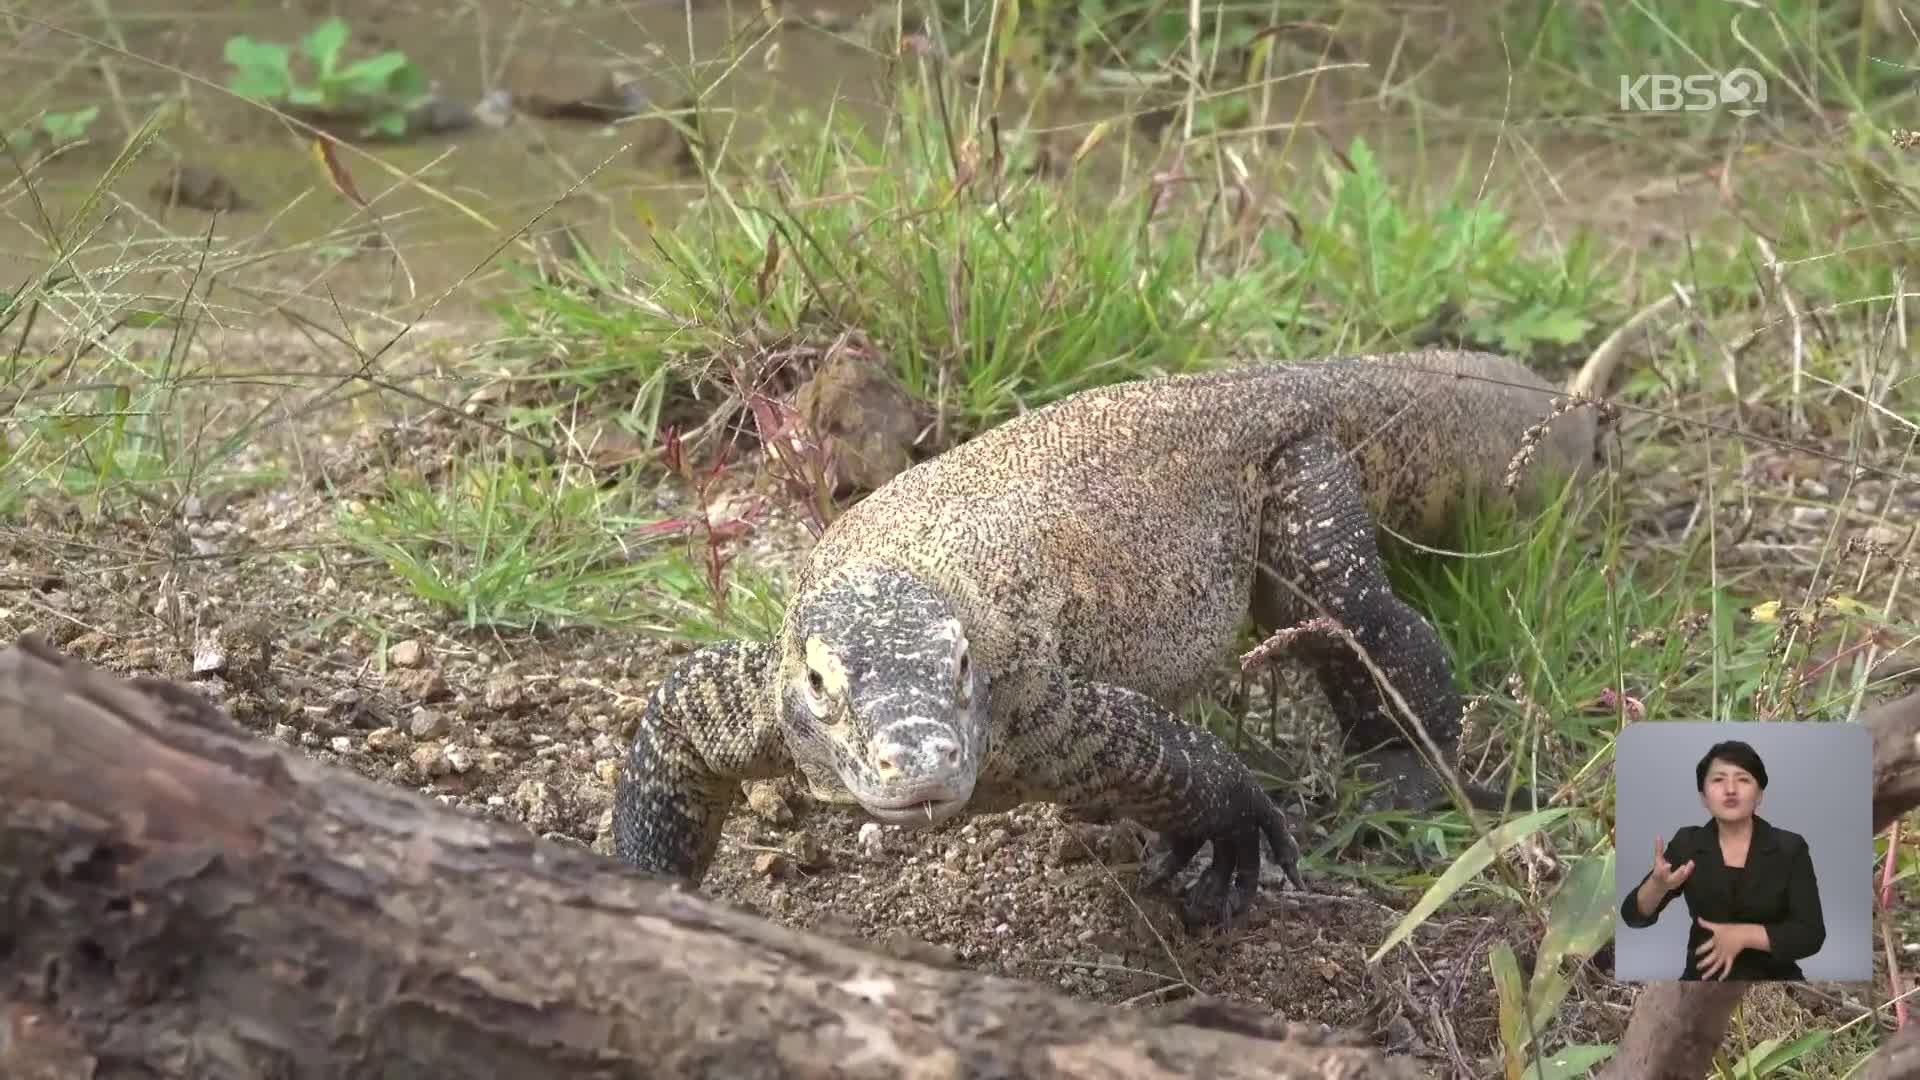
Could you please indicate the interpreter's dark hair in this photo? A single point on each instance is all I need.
(1733, 752)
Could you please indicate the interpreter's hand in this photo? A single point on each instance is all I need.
(1666, 876)
(1717, 952)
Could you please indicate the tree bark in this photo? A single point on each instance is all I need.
(1675, 1027)
(184, 900)
(1898, 1059)
(1896, 759)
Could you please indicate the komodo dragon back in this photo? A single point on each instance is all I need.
(1429, 428)
(1424, 428)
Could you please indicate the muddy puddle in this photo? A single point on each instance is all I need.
(444, 199)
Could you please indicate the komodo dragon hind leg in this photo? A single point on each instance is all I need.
(707, 727)
(1319, 557)
(1093, 747)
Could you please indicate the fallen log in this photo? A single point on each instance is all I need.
(1675, 1027)
(184, 900)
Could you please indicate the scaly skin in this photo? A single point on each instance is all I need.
(707, 727)
(1017, 619)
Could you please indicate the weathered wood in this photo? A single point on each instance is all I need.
(1898, 1059)
(1673, 1031)
(1896, 758)
(1675, 1027)
(183, 900)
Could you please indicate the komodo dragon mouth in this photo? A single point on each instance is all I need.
(921, 812)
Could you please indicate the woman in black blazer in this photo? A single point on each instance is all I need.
(1749, 884)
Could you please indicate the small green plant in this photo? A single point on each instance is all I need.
(58, 128)
(499, 542)
(988, 296)
(1455, 272)
(1580, 923)
(382, 88)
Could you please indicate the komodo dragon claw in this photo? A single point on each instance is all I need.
(1224, 890)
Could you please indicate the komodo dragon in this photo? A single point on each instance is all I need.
(1018, 618)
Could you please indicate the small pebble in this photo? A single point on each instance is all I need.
(426, 724)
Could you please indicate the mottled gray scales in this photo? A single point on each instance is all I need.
(708, 726)
(1320, 558)
(1016, 619)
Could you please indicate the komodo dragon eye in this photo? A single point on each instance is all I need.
(817, 701)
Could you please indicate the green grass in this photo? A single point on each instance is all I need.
(502, 543)
(1571, 55)
(1370, 268)
(1564, 602)
(1533, 60)
(984, 304)
(990, 293)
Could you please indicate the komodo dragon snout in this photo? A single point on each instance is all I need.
(878, 688)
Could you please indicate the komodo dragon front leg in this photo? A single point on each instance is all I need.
(1319, 557)
(1096, 748)
(706, 728)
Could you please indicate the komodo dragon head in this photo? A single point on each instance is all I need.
(877, 688)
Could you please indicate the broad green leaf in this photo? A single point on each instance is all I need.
(1512, 996)
(1571, 1062)
(1581, 921)
(408, 84)
(1544, 994)
(322, 45)
(374, 70)
(66, 127)
(243, 51)
(260, 83)
(1466, 868)
(1771, 1054)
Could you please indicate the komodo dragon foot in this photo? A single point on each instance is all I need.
(1408, 782)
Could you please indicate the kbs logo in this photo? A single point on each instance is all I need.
(1736, 91)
